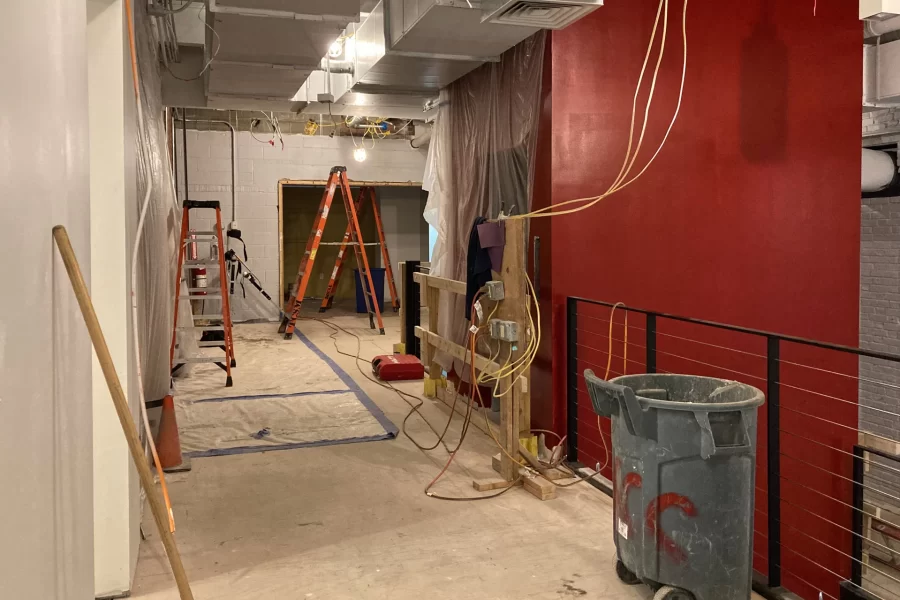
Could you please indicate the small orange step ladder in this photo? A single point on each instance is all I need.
(337, 177)
(215, 322)
(366, 192)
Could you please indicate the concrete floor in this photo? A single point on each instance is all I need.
(352, 521)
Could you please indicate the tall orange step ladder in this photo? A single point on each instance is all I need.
(213, 322)
(366, 192)
(337, 177)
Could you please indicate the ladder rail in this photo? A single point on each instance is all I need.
(227, 344)
(339, 263)
(385, 255)
(304, 260)
(361, 253)
(226, 303)
(306, 266)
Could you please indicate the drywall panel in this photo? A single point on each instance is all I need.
(116, 495)
(45, 354)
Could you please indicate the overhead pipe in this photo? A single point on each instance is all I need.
(878, 170)
(877, 28)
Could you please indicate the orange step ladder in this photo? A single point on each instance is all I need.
(213, 322)
(337, 177)
(366, 192)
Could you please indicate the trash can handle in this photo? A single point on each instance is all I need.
(708, 445)
(610, 398)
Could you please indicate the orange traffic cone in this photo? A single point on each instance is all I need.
(168, 444)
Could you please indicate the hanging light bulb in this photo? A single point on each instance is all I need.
(359, 154)
(336, 49)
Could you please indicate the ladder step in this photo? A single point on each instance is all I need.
(200, 297)
(200, 289)
(206, 240)
(212, 344)
(199, 264)
(202, 233)
(198, 359)
(218, 316)
(203, 328)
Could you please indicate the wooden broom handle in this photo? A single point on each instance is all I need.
(118, 396)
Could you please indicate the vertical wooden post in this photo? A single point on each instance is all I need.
(513, 308)
(433, 298)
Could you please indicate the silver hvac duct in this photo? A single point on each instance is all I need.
(878, 170)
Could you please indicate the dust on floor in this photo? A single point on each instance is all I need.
(352, 521)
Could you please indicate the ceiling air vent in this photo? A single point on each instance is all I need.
(546, 14)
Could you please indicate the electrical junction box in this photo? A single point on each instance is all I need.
(326, 98)
(878, 10)
(495, 290)
(505, 331)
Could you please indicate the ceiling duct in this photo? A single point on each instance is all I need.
(544, 14)
(270, 47)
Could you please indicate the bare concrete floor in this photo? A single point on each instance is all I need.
(352, 521)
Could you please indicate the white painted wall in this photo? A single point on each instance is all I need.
(111, 108)
(45, 354)
(260, 167)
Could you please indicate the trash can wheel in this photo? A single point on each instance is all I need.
(624, 575)
(672, 593)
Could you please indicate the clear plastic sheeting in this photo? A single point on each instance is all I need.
(482, 162)
(156, 259)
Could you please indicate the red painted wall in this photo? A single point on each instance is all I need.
(750, 215)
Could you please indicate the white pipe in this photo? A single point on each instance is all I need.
(876, 28)
(878, 170)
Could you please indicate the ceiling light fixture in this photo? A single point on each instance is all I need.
(336, 49)
(359, 154)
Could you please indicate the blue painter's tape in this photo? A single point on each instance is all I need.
(389, 427)
(315, 444)
(264, 396)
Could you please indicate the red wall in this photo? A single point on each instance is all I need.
(750, 214)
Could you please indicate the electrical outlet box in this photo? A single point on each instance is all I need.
(325, 98)
(505, 331)
(495, 290)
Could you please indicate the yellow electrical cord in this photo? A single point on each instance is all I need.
(620, 182)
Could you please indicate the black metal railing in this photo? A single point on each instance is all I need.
(814, 472)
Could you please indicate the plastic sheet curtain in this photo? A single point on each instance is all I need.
(156, 258)
(482, 161)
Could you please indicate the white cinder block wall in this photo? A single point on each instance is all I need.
(259, 168)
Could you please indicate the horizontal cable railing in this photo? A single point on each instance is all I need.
(827, 483)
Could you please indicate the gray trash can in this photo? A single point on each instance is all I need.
(684, 465)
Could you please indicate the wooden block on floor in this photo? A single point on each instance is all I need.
(487, 485)
(400, 348)
(495, 462)
(556, 474)
(539, 487)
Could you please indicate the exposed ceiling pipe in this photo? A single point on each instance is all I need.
(878, 170)
(876, 28)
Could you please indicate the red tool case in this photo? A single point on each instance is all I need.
(397, 367)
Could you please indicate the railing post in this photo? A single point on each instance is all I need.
(858, 499)
(773, 389)
(651, 343)
(572, 377)
(412, 308)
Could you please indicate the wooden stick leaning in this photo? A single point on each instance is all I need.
(118, 396)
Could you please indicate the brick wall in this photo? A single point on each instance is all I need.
(260, 167)
(879, 307)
